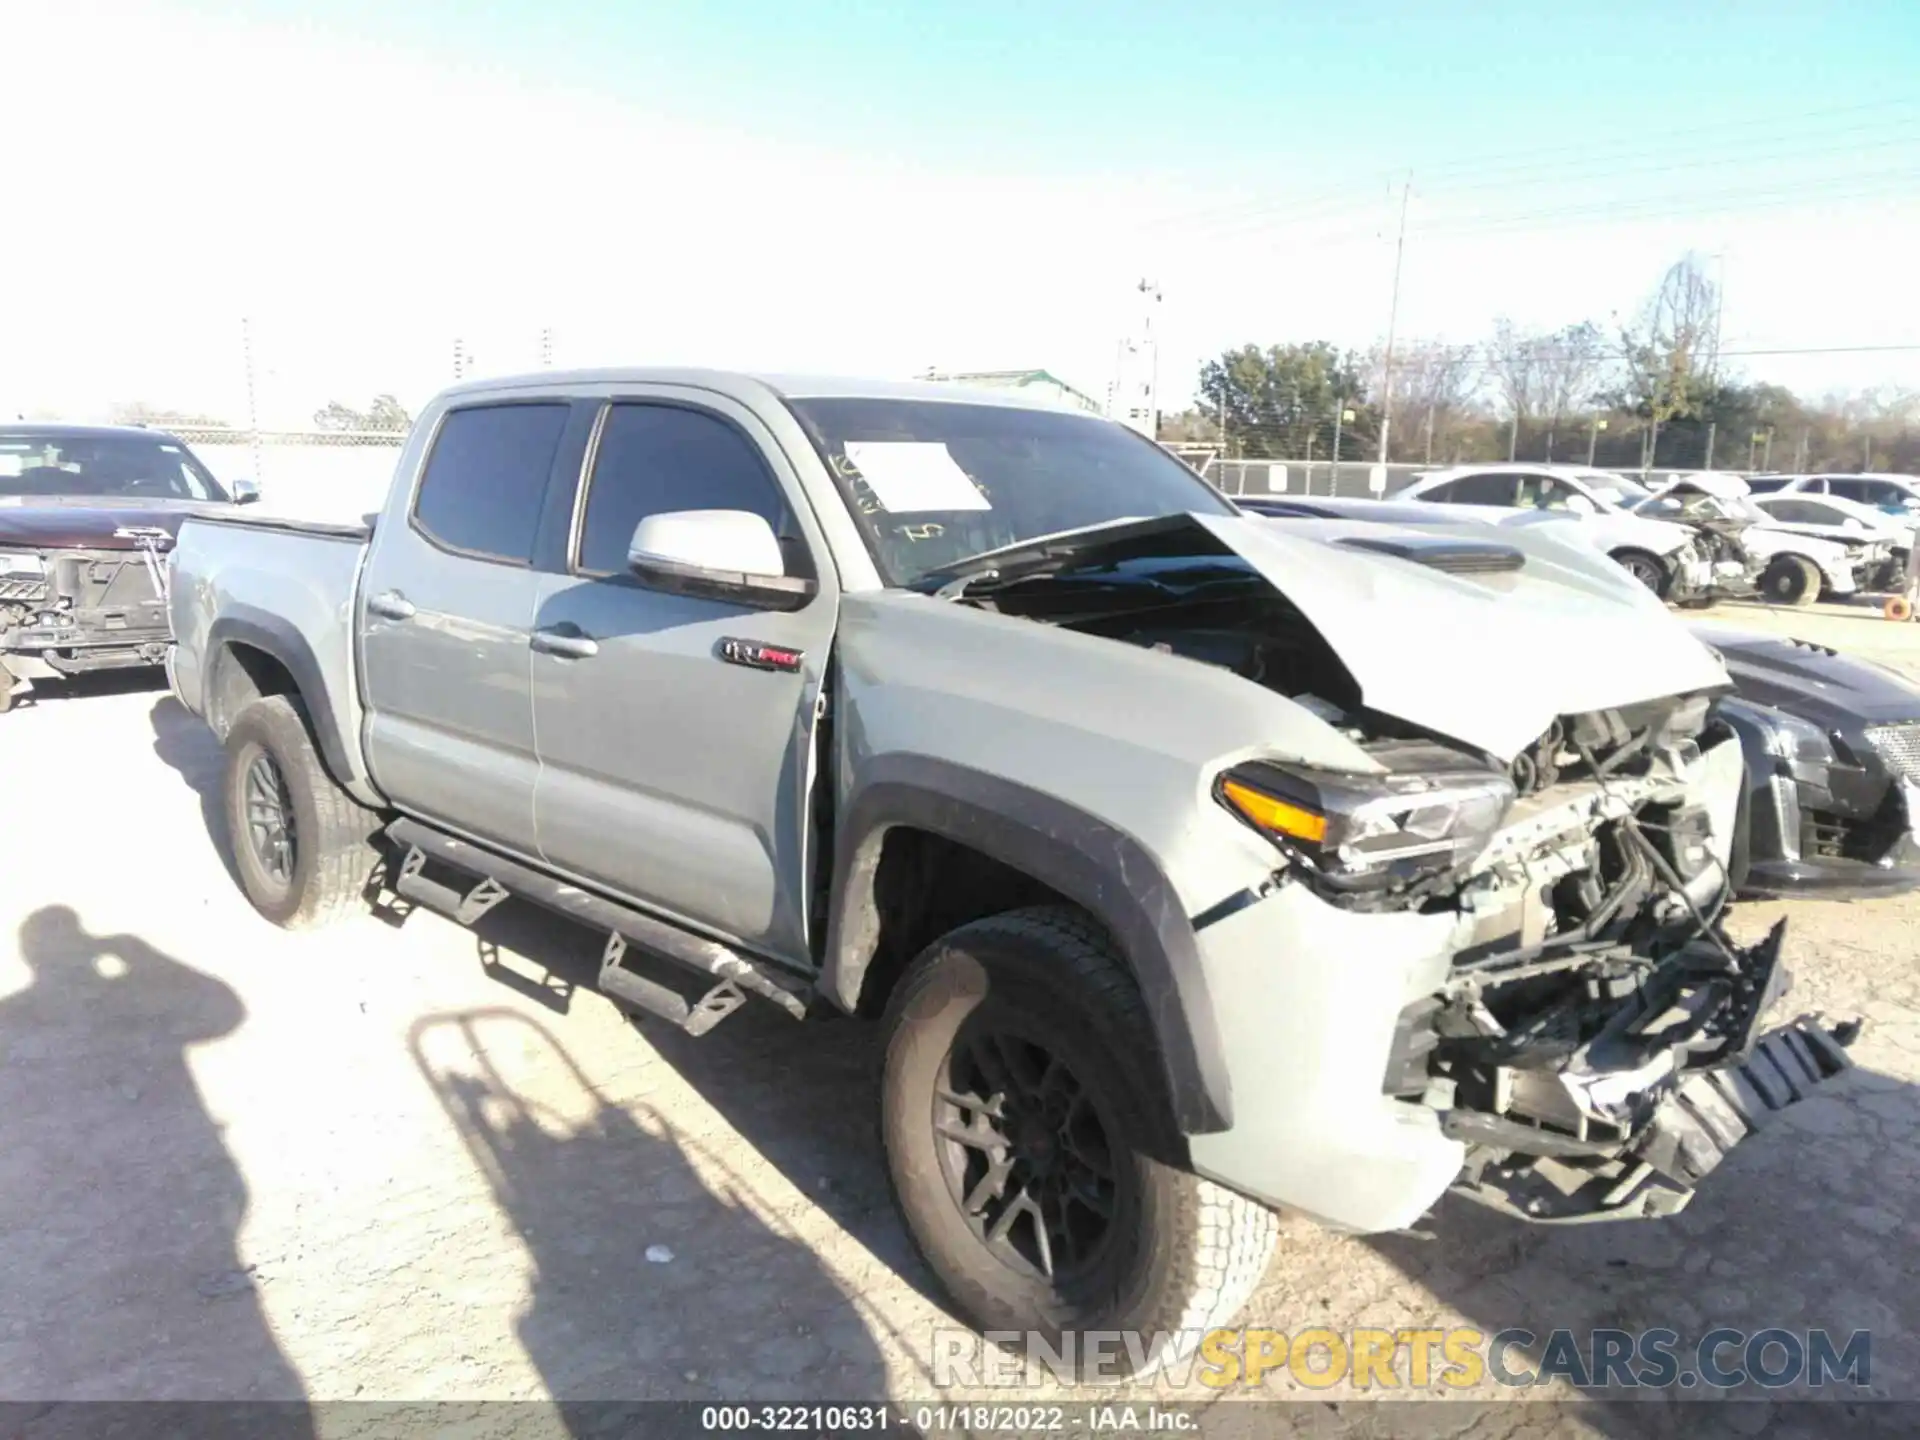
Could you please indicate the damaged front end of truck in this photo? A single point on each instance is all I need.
(1597, 1045)
(1543, 777)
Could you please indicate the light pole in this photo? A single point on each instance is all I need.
(1593, 438)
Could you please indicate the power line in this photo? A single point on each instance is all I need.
(1561, 160)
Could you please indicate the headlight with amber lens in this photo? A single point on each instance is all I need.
(1371, 833)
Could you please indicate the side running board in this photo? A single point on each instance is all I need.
(734, 976)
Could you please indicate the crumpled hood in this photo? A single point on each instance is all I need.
(1490, 659)
(55, 522)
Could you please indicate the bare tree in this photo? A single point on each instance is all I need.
(1512, 358)
(1671, 353)
(1570, 366)
(1433, 386)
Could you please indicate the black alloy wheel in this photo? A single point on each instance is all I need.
(270, 822)
(1027, 1153)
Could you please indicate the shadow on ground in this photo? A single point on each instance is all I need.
(120, 1205)
(676, 1289)
(182, 740)
(803, 1095)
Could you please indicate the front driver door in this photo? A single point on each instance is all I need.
(669, 772)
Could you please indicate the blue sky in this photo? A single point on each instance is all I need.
(884, 188)
(1222, 92)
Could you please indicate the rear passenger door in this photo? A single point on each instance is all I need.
(671, 772)
(447, 603)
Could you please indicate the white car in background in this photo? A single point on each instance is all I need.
(1895, 495)
(1878, 542)
(1668, 559)
(1786, 566)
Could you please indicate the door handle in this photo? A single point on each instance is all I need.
(392, 604)
(567, 644)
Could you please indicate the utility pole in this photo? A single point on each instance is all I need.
(459, 358)
(1593, 438)
(1150, 289)
(1766, 461)
(1393, 314)
(546, 348)
(1800, 454)
(1712, 426)
(1429, 459)
(1513, 436)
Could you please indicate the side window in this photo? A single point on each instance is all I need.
(1885, 492)
(486, 477)
(1850, 490)
(1544, 492)
(1802, 512)
(655, 459)
(1492, 489)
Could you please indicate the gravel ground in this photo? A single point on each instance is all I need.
(406, 1162)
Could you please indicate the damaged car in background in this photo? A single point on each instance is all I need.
(1833, 769)
(1782, 566)
(87, 514)
(1673, 561)
(1877, 544)
(1832, 746)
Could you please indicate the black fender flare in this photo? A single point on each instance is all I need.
(275, 636)
(1102, 869)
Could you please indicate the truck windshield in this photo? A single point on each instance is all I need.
(107, 465)
(933, 482)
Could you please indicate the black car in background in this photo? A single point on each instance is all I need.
(1832, 745)
(86, 513)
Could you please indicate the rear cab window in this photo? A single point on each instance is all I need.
(485, 479)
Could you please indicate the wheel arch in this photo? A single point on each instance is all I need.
(1073, 854)
(253, 653)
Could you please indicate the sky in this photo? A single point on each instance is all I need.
(881, 189)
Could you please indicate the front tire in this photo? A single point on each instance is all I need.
(302, 847)
(1647, 569)
(1790, 580)
(1033, 1154)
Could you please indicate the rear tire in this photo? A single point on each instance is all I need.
(302, 846)
(1032, 1016)
(1790, 580)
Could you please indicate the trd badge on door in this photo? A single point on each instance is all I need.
(756, 656)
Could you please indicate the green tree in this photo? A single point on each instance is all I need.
(1279, 401)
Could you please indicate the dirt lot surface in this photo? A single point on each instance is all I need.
(407, 1162)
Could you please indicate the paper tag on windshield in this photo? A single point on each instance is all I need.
(911, 476)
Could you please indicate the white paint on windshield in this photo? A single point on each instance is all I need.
(914, 477)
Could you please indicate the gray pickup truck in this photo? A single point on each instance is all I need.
(1197, 864)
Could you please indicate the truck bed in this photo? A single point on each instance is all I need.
(286, 586)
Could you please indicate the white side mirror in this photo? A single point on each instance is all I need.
(721, 554)
(244, 492)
